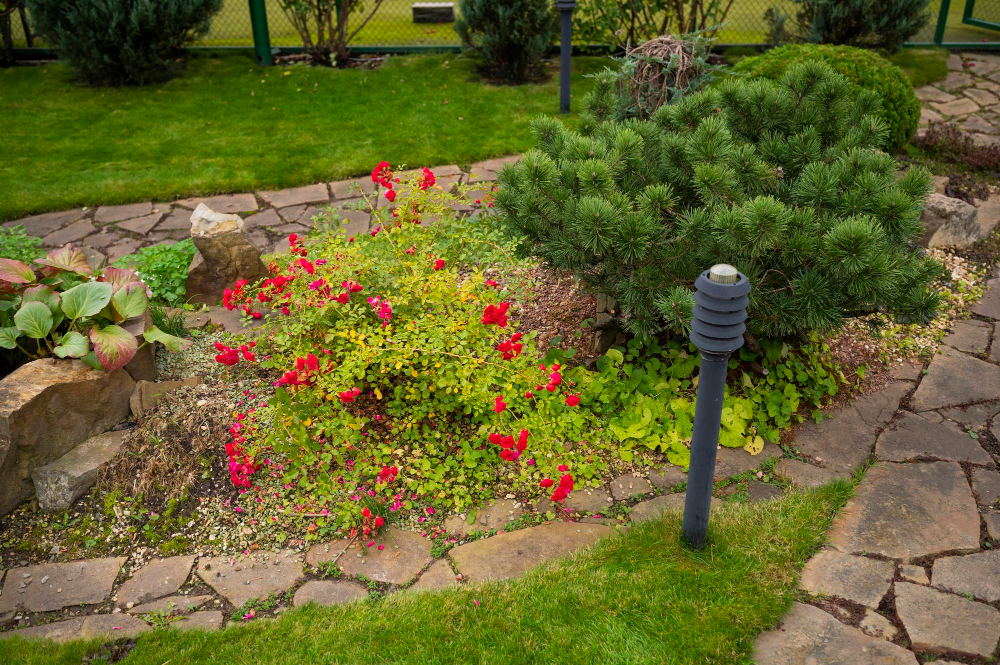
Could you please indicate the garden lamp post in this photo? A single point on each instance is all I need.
(720, 310)
(565, 51)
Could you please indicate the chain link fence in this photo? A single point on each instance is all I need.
(964, 22)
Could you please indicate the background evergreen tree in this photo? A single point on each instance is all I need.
(510, 36)
(784, 180)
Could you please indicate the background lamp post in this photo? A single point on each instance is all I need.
(565, 51)
(719, 316)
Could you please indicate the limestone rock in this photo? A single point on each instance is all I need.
(954, 378)
(907, 511)
(977, 574)
(876, 625)
(986, 484)
(65, 584)
(858, 579)
(941, 622)
(329, 592)
(225, 255)
(255, 576)
(973, 416)
(438, 576)
(317, 193)
(588, 500)
(158, 578)
(493, 515)
(511, 554)
(806, 476)
(148, 393)
(989, 305)
(949, 222)
(105, 626)
(46, 408)
(808, 635)
(60, 483)
(911, 438)
(326, 552)
(405, 554)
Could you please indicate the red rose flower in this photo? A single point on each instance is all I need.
(439, 264)
(547, 482)
(572, 400)
(499, 405)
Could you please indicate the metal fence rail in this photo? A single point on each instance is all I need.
(965, 23)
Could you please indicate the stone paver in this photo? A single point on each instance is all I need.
(107, 214)
(906, 511)
(226, 203)
(974, 415)
(317, 193)
(629, 485)
(986, 485)
(993, 525)
(961, 106)
(734, 461)
(929, 93)
(653, 508)
(329, 592)
(206, 620)
(114, 626)
(142, 225)
(809, 636)
(911, 438)
(588, 500)
(989, 304)
(176, 605)
(42, 225)
(758, 491)
(667, 477)
(53, 586)
(158, 578)
(404, 554)
(250, 577)
(876, 625)
(915, 574)
(325, 552)
(981, 97)
(494, 515)
(75, 232)
(262, 219)
(438, 576)
(514, 552)
(971, 336)
(954, 378)
(977, 574)
(352, 189)
(804, 475)
(858, 579)
(939, 622)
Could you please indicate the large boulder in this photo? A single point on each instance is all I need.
(59, 484)
(225, 254)
(949, 222)
(47, 407)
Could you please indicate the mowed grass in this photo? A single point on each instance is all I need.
(226, 125)
(634, 599)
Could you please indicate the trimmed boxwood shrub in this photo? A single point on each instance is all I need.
(121, 42)
(866, 69)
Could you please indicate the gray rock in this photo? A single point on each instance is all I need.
(876, 625)
(844, 439)
(858, 579)
(405, 554)
(206, 620)
(329, 592)
(977, 574)
(954, 378)
(47, 407)
(514, 552)
(148, 393)
(907, 511)
(326, 552)
(225, 203)
(173, 605)
(255, 576)
(262, 219)
(989, 304)
(986, 485)
(493, 515)
(142, 225)
(758, 491)
(105, 626)
(158, 578)
(317, 193)
(973, 416)
(906, 371)
(66, 584)
(971, 336)
(940, 622)
(809, 636)
(731, 462)
(915, 574)
(438, 576)
(806, 476)
(43, 225)
(60, 483)
(911, 438)
(667, 477)
(75, 232)
(588, 500)
(949, 222)
(107, 214)
(225, 255)
(629, 485)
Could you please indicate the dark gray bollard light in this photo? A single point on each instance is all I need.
(565, 51)
(719, 316)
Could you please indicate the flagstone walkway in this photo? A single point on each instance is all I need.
(909, 571)
(969, 97)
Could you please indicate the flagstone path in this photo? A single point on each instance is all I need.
(969, 97)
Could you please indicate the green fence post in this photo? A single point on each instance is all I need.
(261, 37)
(942, 22)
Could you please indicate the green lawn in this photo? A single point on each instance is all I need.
(226, 125)
(635, 599)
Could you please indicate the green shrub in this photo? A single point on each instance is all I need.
(511, 36)
(783, 180)
(121, 42)
(636, 21)
(163, 268)
(900, 107)
(875, 23)
(18, 245)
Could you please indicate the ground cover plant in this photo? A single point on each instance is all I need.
(16, 244)
(635, 598)
(783, 180)
(899, 107)
(255, 129)
(162, 268)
